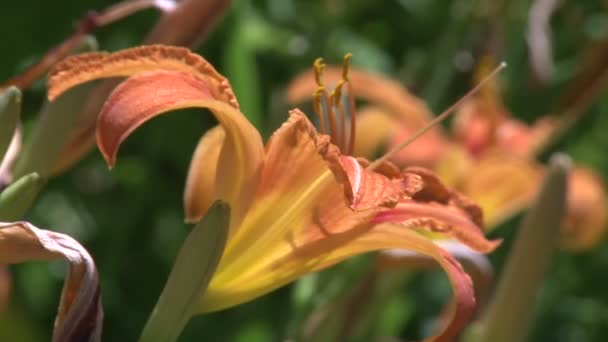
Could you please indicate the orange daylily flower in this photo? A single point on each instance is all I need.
(489, 156)
(298, 204)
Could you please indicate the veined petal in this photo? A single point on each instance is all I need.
(80, 312)
(145, 96)
(297, 191)
(86, 67)
(375, 88)
(166, 78)
(299, 200)
(200, 184)
(439, 219)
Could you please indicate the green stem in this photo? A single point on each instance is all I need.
(511, 309)
(194, 266)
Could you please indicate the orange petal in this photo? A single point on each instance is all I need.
(424, 151)
(200, 185)
(375, 88)
(586, 220)
(145, 96)
(477, 265)
(441, 219)
(80, 313)
(340, 246)
(86, 67)
(374, 129)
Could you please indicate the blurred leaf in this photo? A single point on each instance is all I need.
(10, 109)
(191, 273)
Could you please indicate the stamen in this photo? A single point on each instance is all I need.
(317, 68)
(436, 120)
(316, 105)
(343, 105)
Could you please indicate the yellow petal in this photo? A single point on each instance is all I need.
(300, 223)
(374, 129)
(502, 185)
(199, 192)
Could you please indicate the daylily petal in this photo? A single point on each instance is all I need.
(300, 222)
(179, 79)
(379, 90)
(455, 166)
(476, 265)
(80, 312)
(502, 185)
(426, 150)
(330, 250)
(86, 67)
(373, 132)
(586, 218)
(199, 191)
(297, 190)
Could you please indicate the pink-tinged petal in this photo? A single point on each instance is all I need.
(447, 221)
(426, 151)
(477, 265)
(375, 88)
(80, 313)
(586, 221)
(367, 189)
(199, 192)
(339, 246)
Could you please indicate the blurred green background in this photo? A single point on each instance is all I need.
(131, 218)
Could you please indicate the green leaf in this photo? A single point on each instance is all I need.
(10, 109)
(511, 309)
(194, 266)
(18, 197)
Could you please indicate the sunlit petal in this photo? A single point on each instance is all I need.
(169, 78)
(502, 185)
(199, 192)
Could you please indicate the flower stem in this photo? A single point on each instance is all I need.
(511, 309)
(194, 266)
